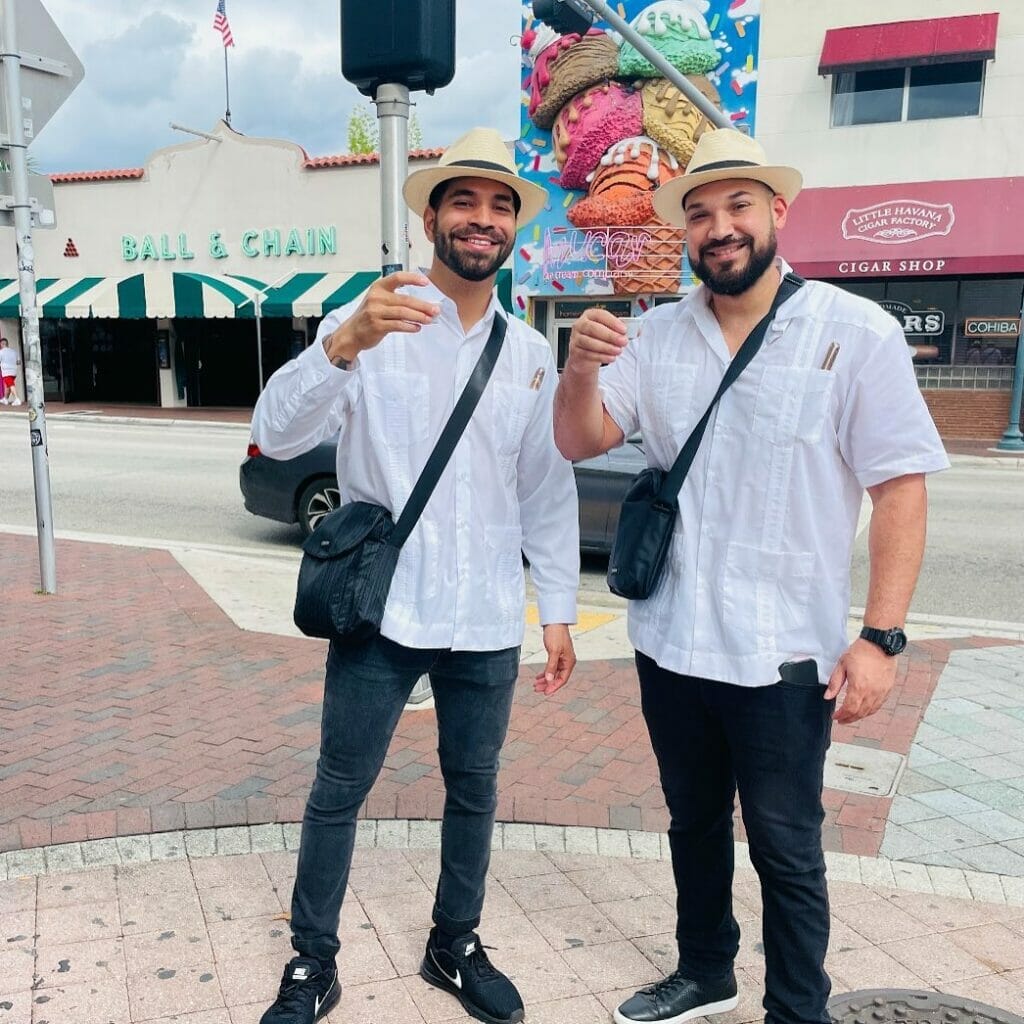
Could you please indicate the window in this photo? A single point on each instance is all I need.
(971, 321)
(879, 95)
(988, 322)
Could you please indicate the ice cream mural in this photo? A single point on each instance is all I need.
(601, 129)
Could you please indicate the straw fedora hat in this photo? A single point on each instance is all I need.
(480, 153)
(720, 155)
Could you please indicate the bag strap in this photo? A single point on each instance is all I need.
(453, 431)
(673, 481)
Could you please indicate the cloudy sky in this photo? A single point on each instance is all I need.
(148, 63)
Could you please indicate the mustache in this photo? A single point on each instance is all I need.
(494, 236)
(724, 243)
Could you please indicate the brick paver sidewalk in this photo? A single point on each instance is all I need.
(132, 704)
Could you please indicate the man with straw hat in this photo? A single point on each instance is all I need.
(742, 646)
(386, 371)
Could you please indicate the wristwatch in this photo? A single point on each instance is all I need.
(892, 641)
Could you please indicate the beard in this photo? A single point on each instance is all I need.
(735, 280)
(471, 266)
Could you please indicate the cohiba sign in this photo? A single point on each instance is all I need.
(268, 242)
(899, 221)
(992, 327)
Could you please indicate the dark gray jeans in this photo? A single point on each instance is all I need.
(364, 693)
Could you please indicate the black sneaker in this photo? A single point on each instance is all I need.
(677, 999)
(465, 972)
(308, 992)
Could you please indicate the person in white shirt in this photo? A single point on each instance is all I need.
(741, 649)
(384, 374)
(9, 363)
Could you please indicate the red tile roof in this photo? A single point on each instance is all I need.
(310, 163)
(121, 174)
(348, 159)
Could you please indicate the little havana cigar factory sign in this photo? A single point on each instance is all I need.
(264, 243)
(898, 222)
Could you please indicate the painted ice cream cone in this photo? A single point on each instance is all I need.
(672, 120)
(678, 31)
(622, 186)
(659, 268)
(564, 66)
(589, 124)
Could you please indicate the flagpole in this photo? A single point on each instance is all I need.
(227, 91)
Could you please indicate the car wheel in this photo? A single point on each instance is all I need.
(316, 500)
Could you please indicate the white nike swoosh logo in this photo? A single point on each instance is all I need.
(320, 1002)
(456, 981)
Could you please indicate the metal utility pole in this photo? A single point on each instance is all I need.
(31, 354)
(1012, 439)
(392, 102)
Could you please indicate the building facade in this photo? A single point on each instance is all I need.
(907, 124)
(908, 127)
(188, 281)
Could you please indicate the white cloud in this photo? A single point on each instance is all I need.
(149, 62)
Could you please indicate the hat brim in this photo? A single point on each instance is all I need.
(420, 184)
(668, 200)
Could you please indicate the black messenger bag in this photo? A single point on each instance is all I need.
(651, 505)
(349, 560)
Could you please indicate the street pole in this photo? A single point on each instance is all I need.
(392, 102)
(31, 354)
(1012, 439)
(676, 77)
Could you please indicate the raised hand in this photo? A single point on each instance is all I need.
(383, 311)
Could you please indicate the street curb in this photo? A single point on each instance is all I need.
(406, 834)
(152, 421)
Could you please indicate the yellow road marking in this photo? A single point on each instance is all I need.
(587, 620)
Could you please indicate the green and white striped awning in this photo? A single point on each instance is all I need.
(139, 295)
(178, 294)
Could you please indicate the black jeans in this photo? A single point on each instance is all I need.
(365, 691)
(711, 738)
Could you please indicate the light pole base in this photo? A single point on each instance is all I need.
(1011, 441)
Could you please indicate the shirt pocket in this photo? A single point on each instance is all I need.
(512, 406)
(398, 407)
(765, 598)
(792, 404)
(670, 387)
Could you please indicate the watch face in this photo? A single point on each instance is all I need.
(896, 641)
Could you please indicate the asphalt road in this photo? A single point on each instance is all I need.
(179, 483)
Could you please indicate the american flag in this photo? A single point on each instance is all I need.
(220, 23)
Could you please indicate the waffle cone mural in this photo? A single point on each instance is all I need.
(602, 129)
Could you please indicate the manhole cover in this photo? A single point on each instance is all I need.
(905, 1006)
(854, 769)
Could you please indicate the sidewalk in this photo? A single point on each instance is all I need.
(144, 717)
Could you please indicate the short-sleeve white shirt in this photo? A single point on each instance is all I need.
(759, 568)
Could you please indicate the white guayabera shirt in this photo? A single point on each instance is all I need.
(506, 490)
(759, 567)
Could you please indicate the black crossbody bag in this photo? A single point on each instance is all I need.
(349, 560)
(649, 510)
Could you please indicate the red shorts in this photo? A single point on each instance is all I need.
(9, 382)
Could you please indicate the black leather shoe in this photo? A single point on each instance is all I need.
(678, 999)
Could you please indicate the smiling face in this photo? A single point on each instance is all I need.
(730, 232)
(473, 227)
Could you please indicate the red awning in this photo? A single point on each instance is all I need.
(901, 43)
(907, 229)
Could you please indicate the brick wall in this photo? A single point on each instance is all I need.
(969, 414)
